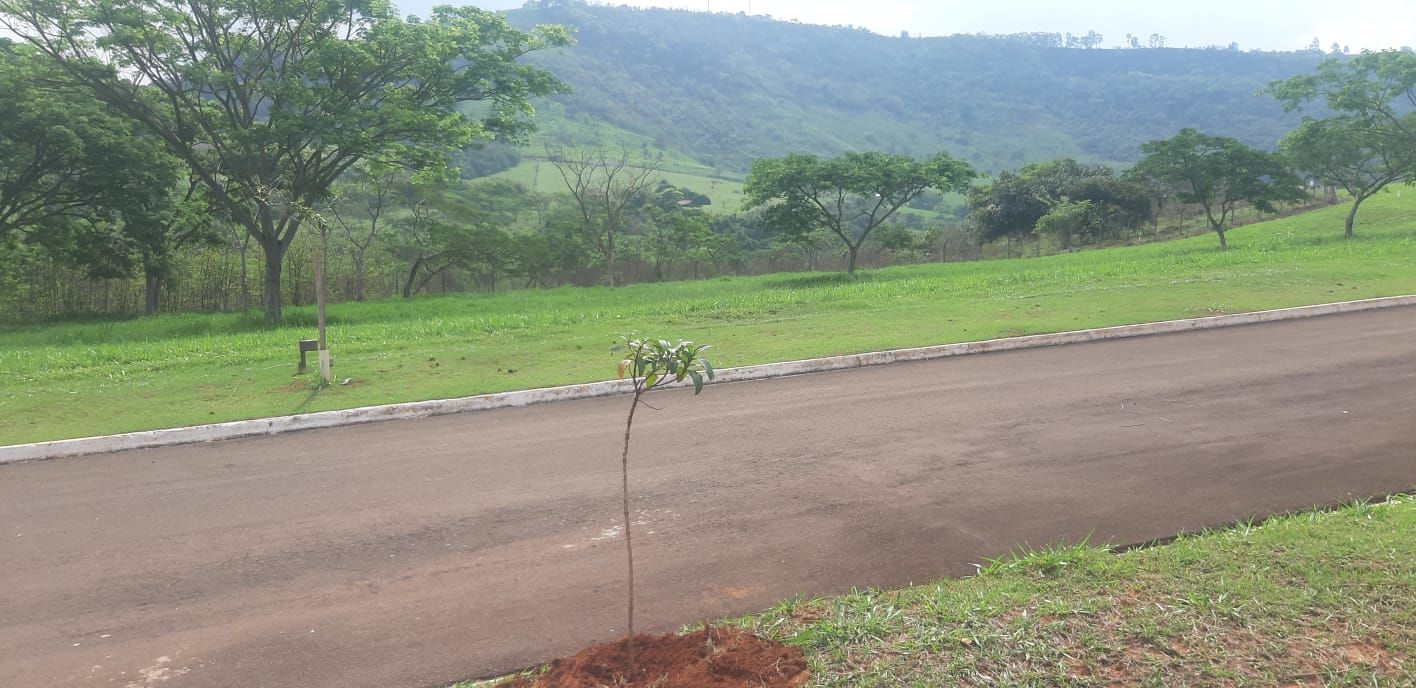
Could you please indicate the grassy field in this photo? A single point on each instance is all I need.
(556, 129)
(70, 380)
(1312, 599)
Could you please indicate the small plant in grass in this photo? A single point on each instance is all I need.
(650, 364)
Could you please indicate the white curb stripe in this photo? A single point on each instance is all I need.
(423, 409)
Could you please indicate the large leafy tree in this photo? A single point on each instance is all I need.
(1115, 204)
(269, 102)
(1014, 203)
(86, 184)
(672, 229)
(1006, 207)
(849, 196)
(1218, 173)
(1369, 141)
(68, 164)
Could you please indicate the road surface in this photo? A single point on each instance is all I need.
(416, 553)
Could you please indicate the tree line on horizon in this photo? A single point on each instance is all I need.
(147, 144)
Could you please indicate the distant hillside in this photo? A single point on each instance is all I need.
(725, 89)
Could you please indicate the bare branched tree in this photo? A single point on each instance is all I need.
(360, 201)
(603, 186)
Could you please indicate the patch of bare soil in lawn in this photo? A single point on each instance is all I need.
(293, 386)
(716, 658)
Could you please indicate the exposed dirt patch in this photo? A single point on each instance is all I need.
(1367, 654)
(296, 385)
(719, 658)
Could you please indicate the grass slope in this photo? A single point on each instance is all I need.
(77, 379)
(1322, 598)
(541, 176)
(1316, 598)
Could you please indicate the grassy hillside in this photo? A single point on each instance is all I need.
(724, 89)
(89, 378)
(539, 175)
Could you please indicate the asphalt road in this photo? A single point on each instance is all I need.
(416, 553)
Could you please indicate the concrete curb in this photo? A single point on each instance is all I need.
(484, 402)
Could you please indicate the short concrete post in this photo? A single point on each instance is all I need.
(306, 346)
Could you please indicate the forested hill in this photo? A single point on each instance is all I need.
(725, 89)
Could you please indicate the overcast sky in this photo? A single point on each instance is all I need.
(1254, 24)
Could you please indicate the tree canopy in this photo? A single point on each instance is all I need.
(1093, 199)
(850, 196)
(68, 164)
(1218, 173)
(269, 102)
(1369, 140)
(88, 185)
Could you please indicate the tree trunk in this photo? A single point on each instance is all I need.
(442, 271)
(851, 262)
(412, 275)
(245, 281)
(610, 259)
(152, 289)
(270, 239)
(1219, 229)
(628, 541)
(1352, 216)
(270, 299)
(358, 275)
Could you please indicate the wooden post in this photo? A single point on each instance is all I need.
(320, 313)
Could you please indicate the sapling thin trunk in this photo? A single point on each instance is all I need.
(650, 364)
(628, 540)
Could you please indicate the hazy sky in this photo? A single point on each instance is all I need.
(1254, 24)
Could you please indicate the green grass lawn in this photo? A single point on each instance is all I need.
(1313, 599)
(1323, 598)
(70, 380)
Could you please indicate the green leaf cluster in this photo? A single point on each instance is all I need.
(651, 363)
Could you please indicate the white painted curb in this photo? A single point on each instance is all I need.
(422, 409)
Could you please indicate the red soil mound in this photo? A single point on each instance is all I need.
(723, 658)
